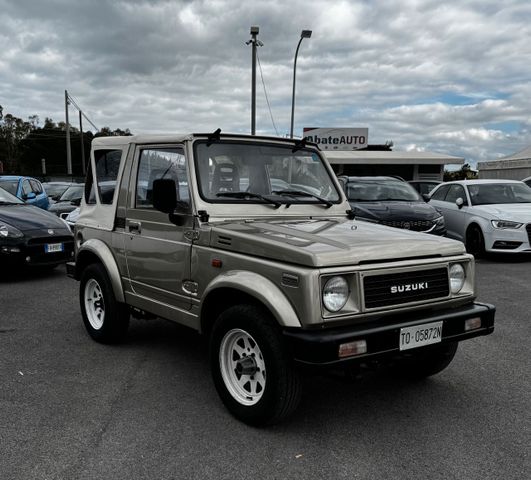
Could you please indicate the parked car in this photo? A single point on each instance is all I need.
(393, 202)
(527, 181)
(31, 236)
(71, 218)
(487, 215)
(55, 189)
(69, 200)
(276, 276)
(26, 188)
(424, 187)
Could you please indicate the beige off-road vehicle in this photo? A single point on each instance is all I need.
(250, 241)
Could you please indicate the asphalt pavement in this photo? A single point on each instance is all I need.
(74, 409)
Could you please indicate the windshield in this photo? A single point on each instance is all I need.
(495, 193)
(9, 185)
(6, 197)
(267, 173)
(381, 190)
(72, 193)
(54, 190)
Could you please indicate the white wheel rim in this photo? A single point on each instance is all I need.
(245, 388)
(94, 304)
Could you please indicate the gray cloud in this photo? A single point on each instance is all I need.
(451, 77)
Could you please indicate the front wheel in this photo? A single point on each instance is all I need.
(475, 242)
(105, 319)
(251, 366)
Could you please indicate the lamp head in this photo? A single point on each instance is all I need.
(306, 34)
(255, 30)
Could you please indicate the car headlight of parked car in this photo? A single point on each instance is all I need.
(439, 220)
(505, 224)
(7, 230)
(335, 293)
(457, 277)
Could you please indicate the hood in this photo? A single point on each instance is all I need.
(28, 217)
(395, 211)
(518, 212)
(327, 242)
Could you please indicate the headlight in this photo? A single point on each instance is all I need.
(7, 230)
(335, 294)
(439, 220)
(505, 224)
(457, 277)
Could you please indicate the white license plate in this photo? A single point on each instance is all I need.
(420, 335)
(53, 247)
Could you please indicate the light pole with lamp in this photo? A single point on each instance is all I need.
(304, 34)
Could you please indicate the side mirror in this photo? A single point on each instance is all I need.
(426, 197)
(459, 202)
(29, 196)
(164, 195)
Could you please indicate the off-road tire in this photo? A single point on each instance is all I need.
(277, 389)
(105, 319)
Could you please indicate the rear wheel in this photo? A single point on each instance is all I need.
(251, 366)
(105, 319)
(427, 361)
(475, 242)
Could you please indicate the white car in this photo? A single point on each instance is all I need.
(71, 217)
(487, 215)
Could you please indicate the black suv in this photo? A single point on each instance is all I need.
(393, 202)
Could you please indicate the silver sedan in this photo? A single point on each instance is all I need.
(487, 215)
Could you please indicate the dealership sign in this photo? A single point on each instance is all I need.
(338, 138)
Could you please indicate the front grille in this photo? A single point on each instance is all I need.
(37, 253)
(43, 240)
(405, 287)
(415, 225)
(528, 228)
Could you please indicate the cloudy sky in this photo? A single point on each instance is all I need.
(451, 77)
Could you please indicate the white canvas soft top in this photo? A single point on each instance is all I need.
(142, 138)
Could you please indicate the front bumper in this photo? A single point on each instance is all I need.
(33, 252)
(320, 347)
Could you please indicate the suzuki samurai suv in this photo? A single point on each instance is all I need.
(251, 242)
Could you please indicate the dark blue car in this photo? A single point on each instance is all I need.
(26, 188)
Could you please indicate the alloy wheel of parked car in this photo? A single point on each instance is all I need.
(105, 319)
(475, 242)
(251, 366)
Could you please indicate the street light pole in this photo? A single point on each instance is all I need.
(304, 34)
(253, 42)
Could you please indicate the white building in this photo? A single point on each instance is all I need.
(513, 167)
(408, 165)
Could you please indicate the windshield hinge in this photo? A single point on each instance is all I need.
(203, 215)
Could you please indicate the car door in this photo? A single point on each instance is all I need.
(27, 193)
(455, 217)
(41, 200)
(158, 251)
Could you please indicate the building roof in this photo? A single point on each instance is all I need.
(521, 159)
(390, 157)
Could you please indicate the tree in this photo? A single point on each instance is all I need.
(13, 131)
(464, 173)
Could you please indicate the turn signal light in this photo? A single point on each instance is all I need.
(472, 323)
(352, 348)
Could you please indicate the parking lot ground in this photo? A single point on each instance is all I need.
(74, 409)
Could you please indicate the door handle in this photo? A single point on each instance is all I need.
(135, 227)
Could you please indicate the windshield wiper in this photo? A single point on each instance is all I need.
(10, 203)
(245, 195)
(300, 193)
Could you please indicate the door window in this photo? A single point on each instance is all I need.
(161, 163)
(455, 192)
(26, 188)
(440, 193)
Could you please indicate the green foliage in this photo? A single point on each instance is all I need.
(23, 144)
(464, 173)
